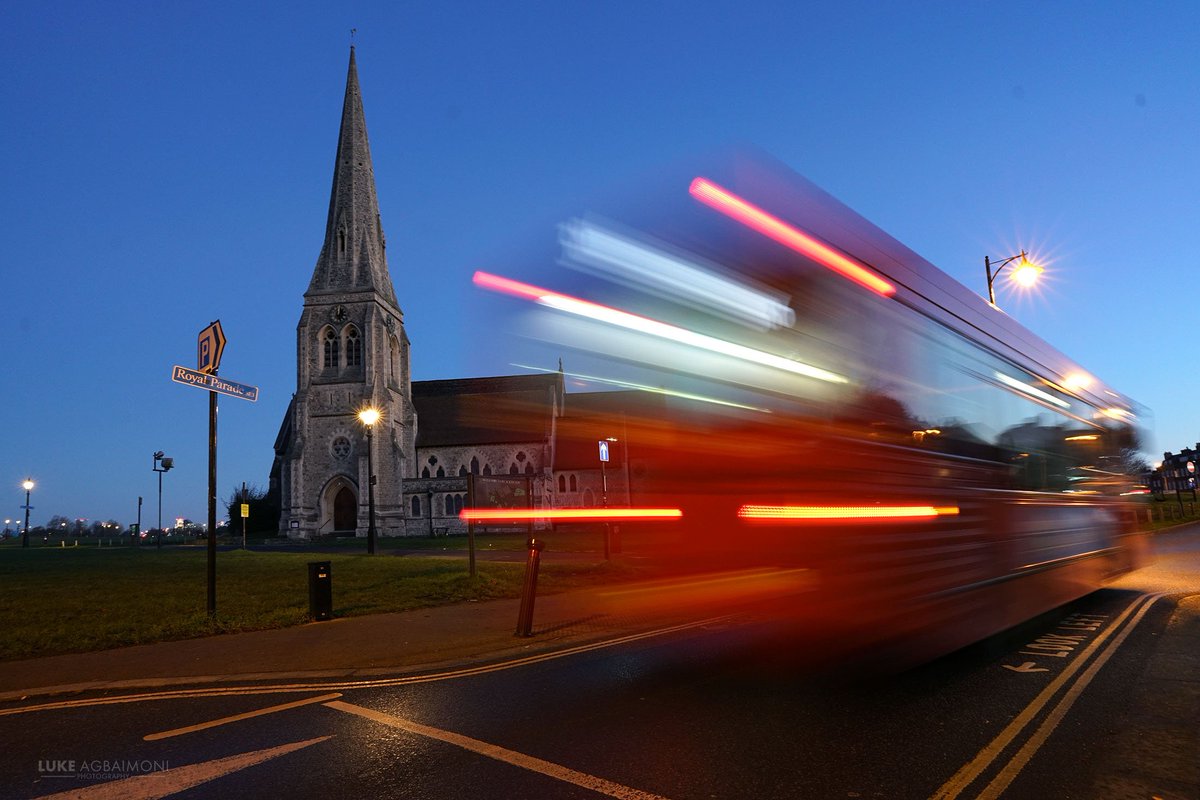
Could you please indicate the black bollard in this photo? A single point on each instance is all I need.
(529, 592)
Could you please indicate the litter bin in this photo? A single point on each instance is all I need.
(320, 590)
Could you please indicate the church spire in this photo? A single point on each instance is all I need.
(353, 258)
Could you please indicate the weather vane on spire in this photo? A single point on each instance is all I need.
(352, 32)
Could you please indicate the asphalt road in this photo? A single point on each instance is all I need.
(1099, 700)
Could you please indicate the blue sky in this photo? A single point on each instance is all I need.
(166, 164)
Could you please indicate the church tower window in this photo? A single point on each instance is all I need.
(474, 465)
(331, 349)
(353, 347)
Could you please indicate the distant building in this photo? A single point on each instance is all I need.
(352, 352)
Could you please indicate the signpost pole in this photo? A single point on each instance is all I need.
(212, 503)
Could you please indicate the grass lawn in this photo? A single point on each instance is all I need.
(72, 599)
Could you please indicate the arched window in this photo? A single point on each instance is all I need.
(574, 484)
(487, 469)
(424, 474)
(353, 347)
(512, 469)
(441, 473)
(330, 349)
(562, 483)
(416, 506)
(341, 241)
(474, 465)
(458, 504)
(394, 347)
(462, 471)
(528, 468)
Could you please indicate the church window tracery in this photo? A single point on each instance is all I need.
(330, 349)
(353, 347)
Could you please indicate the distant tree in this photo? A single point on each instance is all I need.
(1132, 462)
(264, 515)
(60, 524)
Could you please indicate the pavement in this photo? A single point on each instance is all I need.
(460, 635)
(349, 647)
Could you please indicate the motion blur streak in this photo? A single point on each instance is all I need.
(669, 275)
(662, 330)
(1030, 390)
(479, 514)
(844, 512)
(754, 217)
(641, 387)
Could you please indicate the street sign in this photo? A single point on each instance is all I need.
(245, 510)
(209, 346)
(212, 383)
(603, 450)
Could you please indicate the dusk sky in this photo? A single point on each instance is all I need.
(168, 164)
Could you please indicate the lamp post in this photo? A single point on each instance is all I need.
(368, 417)
(1025, 273)
(28, 486)
(161, 464)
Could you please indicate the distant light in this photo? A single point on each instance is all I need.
(772, 227)
(28, 485)
(633, 322)
(1077, 380)
(1033, 391)
(518, 514)
(757, 512)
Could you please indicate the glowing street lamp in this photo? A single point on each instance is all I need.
(368, 417)
(1025, 273)
(28, 486)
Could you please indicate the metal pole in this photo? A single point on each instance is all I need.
(529, 591)
(471, 525)
(987, 265)
(212, 502)
(604, 502)
(25, 536)
(370, 495)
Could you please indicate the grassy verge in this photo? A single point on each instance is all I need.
(75, 599)
(1158, 514)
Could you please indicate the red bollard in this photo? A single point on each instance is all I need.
(529, 592)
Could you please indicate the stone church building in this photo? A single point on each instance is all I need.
(352, 352)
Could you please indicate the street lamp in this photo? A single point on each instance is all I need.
(28, 486)
(1025, 272)
(368, 417)
(161, 465)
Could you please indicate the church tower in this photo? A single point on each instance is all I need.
(351, 353)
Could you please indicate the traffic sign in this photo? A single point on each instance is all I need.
(245, 510)
(603, 450)
(212, 383)
(209, 346)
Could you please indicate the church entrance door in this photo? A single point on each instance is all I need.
(345, 511)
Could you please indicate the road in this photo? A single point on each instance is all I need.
(1101, 699)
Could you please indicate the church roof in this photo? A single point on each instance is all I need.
(352, 257)
(481, 411)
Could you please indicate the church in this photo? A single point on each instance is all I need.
(522, 435)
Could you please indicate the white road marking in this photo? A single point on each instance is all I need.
(969, 772)
(172, 781)
(531, 763)
(1018, 762)
(237, 717)
(371, 683)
